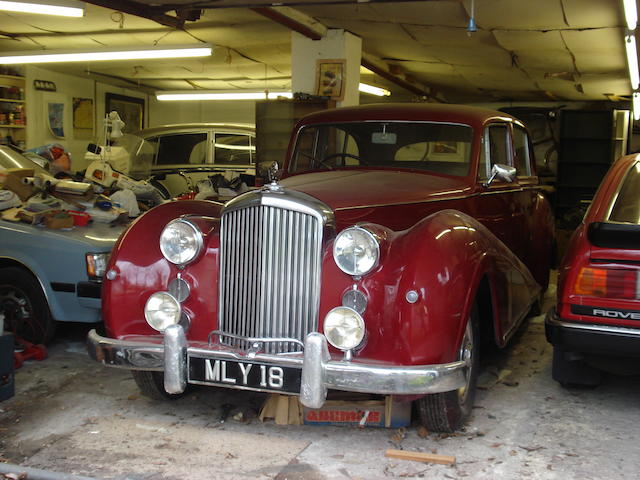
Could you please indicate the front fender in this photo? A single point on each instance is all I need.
(443, 258)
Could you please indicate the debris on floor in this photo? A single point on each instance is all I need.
(421, 457)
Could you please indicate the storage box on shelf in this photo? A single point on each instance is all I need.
(12, 107)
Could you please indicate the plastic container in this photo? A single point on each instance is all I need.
(80, 219)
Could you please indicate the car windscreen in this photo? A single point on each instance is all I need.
(625, 206)
(431, 146)
(9, 158)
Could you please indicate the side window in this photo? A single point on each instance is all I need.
(146, 154)
(495, 149)
(522, 160)
(233, 149)
(182, 148)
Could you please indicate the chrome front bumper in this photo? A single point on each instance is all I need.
(319, 372)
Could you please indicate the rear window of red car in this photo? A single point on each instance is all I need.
(626, 204)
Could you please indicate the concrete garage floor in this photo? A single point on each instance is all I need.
(74, 416)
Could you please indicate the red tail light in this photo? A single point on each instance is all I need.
(607, 282)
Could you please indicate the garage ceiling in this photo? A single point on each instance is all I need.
(522, 51)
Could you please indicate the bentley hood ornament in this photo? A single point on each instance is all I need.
(273, 175)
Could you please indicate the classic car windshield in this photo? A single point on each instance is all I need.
(437, 147)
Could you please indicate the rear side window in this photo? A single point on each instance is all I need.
(182, 148)
(626, 207)
(233, 149)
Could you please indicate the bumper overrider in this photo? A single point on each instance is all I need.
(319, 372)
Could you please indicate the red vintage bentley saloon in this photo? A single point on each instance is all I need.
(599, 283)
(398, 237)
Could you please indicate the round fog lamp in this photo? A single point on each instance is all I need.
(344, 328)
(162, 310)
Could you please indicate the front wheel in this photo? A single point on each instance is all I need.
(447, 411)
(24, 306)
(151, 384)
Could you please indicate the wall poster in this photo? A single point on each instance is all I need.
(130, 109)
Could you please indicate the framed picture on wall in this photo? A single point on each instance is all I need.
(130, 109)
(330, 78)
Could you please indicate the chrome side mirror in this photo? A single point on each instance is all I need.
(501, 172)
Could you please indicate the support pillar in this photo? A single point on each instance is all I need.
(335, 45)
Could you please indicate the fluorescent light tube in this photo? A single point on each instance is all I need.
(62, 8)
(220, 95)
(632, 61)
(96, 55)
(380, 92)
(636, 105)
(631, 13)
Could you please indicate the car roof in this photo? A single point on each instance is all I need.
(411, 112)
(240, 127)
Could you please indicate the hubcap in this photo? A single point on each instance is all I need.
(17, 311)
(466, 354)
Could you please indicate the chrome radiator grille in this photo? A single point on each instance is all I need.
(269, 275)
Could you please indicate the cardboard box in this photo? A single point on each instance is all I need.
(386, 412)
(14, 182)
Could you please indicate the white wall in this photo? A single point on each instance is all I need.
(156, 113)
(68, 87)
(232, 111)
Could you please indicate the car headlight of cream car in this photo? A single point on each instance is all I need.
(181, 241)
(356, 251)
(344, 328)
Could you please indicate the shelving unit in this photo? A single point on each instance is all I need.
(275, 120)
(12, 110)
(590, 140)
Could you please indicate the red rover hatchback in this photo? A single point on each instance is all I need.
(397, 238)
(598, 310)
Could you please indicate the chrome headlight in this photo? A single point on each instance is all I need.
(97, 265)
(344, 328)
(356, 251)
(181, 241)
(162, 310)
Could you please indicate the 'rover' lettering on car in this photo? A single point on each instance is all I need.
(605, 313)
(615, 314)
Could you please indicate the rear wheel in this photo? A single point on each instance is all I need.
(24, 306)
(447, 411)
(151, 384)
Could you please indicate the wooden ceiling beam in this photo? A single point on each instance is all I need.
(294, 20)
(141, 10)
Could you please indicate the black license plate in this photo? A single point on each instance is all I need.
(247, 375)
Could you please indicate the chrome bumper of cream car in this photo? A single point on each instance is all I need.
(319, 372)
